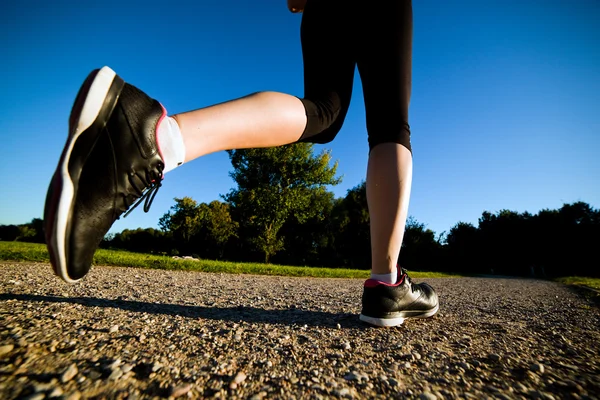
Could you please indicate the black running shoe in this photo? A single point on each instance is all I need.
(110, 160)
(388, 305)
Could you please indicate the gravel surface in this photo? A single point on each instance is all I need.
(125, 333)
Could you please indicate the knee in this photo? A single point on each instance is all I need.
(389, 133)
(324, 118)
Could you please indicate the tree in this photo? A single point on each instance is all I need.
(273, 185)
(420, 249)
(182, 221)
(148, 240)
(309, 242)
(353, 239)
(33, 231)
(9, 232)
(462, 245)
(216, 226)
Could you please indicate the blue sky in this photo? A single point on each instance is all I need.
(505, 110)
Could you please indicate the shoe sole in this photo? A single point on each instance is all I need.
(91, 110)
(399, 320)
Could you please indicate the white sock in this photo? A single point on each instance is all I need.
(386, 278)
(170, 143)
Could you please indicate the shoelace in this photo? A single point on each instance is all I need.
(149, 196)
(150, 191)
(407, 277)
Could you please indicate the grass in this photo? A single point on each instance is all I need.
(34, 252)
(593, 283)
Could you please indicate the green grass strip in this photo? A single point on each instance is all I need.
(34, 252)
(593, 283)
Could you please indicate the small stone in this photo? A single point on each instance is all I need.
(494, 357)
(56, 392)
(115, 374)
(94, 375)
(73, 396)
(180, 390)
(39, 387)
(239, 378)
(259, 396)
(536, 367)
(156, 366)
(520, 387)
(126, 367)
(69, 373)
(115, 364)
(352, 376)
(113, 329)
(6, 349)
(35, 396)
(427, 396)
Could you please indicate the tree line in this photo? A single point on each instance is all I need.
(281, 212)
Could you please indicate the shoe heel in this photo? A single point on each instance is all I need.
(91, 98)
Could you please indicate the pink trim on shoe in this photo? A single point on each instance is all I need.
(371, 283)
(162, 117)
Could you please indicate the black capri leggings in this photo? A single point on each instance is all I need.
(376, 36)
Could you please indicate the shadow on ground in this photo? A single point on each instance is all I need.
(292, 316)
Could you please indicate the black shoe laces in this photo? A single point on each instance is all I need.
(408, 279)
(150, 191)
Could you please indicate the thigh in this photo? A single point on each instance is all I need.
(329, 60)
(384, 60)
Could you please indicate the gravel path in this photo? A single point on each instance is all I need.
(126, 333)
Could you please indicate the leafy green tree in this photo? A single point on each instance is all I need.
(32, 231)
(140, 240)
(274, 184)
(506, 242)
(579, 237)
(9, 232)
(462, 248)
(182, 222)
(26, 233)
(217, 227)
(420, 249)
(309, 242)
(353, 239)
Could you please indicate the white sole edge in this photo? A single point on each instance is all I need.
(89, 112)
(389, 322)
(384, 322)
(430, 313)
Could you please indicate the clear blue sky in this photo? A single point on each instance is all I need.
(505, 112)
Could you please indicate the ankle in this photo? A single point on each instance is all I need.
(388, 277)
(170, 143)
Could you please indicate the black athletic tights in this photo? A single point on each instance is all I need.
(376, 36)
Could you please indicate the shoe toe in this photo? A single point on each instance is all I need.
(429, 294)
